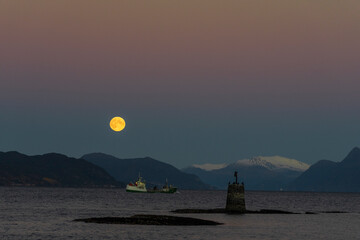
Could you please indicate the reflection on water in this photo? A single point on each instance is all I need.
(47, 213)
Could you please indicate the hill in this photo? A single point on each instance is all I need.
(51, 170)
(153, 171)
(328, 176)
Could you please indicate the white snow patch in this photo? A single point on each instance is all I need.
(275, 162)
(210, 166)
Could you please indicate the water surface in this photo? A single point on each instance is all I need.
(47, 213)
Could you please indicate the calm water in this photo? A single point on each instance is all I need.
(47, 213)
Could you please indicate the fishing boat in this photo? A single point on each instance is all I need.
(138, 186)
(168, 188)
(165, 189)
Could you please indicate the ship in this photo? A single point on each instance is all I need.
(168, 188)
(165, 189)
(138, 186)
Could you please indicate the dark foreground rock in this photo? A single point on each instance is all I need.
(223, 210)
(270, 211)
(150, 220)
(215, 210)
(333, 212)
(261, 211)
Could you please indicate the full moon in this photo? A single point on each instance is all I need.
(117, 124)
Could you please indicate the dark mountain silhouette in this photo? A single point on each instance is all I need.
(153, 171)
(328, 176)
(254, 177)
(52, 170)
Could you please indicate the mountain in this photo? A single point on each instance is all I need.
(153, 171)
(258, 173)
(275, 163)
(51, 170)
(328, 176)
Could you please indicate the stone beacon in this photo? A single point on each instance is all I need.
(235, 202)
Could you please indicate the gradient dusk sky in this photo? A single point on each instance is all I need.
(196, 81)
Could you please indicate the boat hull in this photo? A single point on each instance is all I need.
(168, 190)
(135, 189)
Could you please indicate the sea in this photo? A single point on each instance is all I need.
(48, 213)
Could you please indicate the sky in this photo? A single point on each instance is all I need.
(198, 81)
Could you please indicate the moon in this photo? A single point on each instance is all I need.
(117, 124)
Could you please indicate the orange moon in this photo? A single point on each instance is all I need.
(117, 124)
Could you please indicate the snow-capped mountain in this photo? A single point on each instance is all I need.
(271, 163)
(274, 163)
(258, 173)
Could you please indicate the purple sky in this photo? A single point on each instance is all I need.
(196, 81)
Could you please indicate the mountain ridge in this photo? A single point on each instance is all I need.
(153, 171)
(270, 162)
(259, 173)
(51, 170)
(329, 176)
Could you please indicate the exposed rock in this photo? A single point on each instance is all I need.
(261, 211)
(334, 212)
(270, 211)
(215, 210)
(223, 210)
(150, 220)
